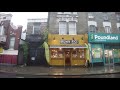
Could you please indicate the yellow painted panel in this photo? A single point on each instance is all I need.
(77, 62)
(57, 62)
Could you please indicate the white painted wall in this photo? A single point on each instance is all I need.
(10, 52)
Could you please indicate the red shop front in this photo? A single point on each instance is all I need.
(9, 57)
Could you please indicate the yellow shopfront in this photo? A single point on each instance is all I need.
(67, 50)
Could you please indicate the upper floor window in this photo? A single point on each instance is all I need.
(107, 29)
(62, 28)
(12, 43)
(118, 29)
(90, 15)
(118, 18)
(4, 17)
(2, 30)
(36, 29)
(72, 28)
(105, 17)
(92, 28)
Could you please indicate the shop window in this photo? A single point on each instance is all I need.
(116, 53)
(81, 53)
(96, 52)
(75, 54)
(119, 53)
(57, 53)
(60, 53)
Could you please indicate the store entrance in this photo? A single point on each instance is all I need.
(68, 57)
(109, 58)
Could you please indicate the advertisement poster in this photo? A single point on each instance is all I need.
(116, 52)
(96, 53)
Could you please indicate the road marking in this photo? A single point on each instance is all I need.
(19, 77)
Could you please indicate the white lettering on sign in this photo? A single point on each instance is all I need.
(108, 37)
(69, 42)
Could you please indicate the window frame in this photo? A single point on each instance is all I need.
(94, 31)
(106, 30)
(118, 29)
(2, 31)
(90, 15)
(63, 28)
(34, 29)
(74, 28)
(10, 43)
(105, 18)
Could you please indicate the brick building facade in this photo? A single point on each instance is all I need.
(85, 20)
(10, 34)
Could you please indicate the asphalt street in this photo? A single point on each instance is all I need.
(13, 75)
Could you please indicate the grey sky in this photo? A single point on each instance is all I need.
(20, 18)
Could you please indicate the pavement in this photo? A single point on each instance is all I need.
(41, 70)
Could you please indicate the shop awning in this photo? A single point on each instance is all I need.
(68, 47)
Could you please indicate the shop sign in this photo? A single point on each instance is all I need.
(69, 42)
(103, 37)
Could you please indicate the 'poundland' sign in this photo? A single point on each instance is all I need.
(103, 37)
(108, 37)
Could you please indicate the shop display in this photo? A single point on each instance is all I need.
(97, 52)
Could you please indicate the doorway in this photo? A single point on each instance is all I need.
(67, 57)
(109, 58)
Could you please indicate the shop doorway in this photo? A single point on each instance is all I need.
(109, 58)
(67, 57)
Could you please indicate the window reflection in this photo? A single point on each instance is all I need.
(74, 54)
(57, 53)
(82, 53)
(97, 53)
(78, 54)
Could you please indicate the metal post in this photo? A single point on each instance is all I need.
(103, 54)
(91, 54)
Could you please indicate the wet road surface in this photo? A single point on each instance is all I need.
(12, 75)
